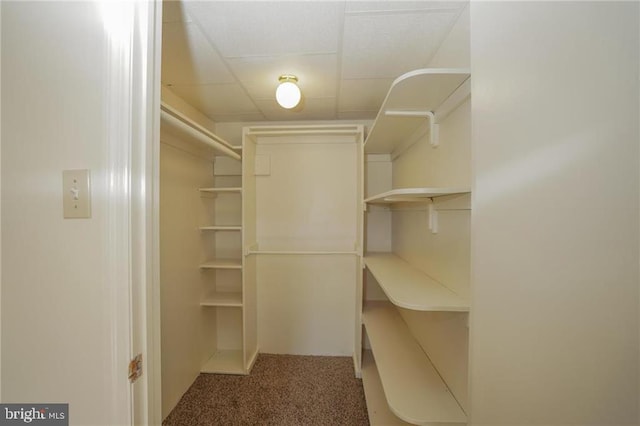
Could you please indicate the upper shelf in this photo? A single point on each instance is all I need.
(410, 288)
(413, 194)
(413, 98)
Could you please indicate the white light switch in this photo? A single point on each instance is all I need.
(76, 194)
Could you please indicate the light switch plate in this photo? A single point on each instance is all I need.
(76, 194)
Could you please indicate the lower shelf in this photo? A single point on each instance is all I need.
(225, 362)
(222, 299)
(412, 387)
(377, 407)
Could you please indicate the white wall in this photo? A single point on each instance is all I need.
(554, 336)
(57, 344)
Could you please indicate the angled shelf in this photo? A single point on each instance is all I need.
(222, 264)
(412, 99)
(225, 362)
(222, 299)
(410, 288)
(413, 195)
(413, 388)
(377, 407)
(221, 228)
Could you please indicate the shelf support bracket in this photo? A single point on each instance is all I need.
(433, 218)
(434, 130)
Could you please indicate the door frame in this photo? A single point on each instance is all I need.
(133, 133)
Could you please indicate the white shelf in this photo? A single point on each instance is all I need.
(413, 388)
(221, 228)
(377, 407)
(411, 98)
(403, 195)
(221, 190)
(223, 299)
(410, 288)
(224, 362)
(222, 264)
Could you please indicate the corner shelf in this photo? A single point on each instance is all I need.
(377, 407)
(222, 264)
(412, 99)
(413, 388)
(410, 288)
(222, 299)
(413, 195)
(225, 362)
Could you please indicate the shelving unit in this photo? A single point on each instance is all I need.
(413, 194)
(410, 288)
(402, 384)
(413, 99)
(412, 386)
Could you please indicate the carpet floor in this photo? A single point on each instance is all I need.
(281, 390)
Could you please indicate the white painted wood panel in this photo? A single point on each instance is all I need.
(306, 304)
(181, 282)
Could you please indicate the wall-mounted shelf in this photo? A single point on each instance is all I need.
(222, 299)
(221, 190)
(221, 228)
(413, 195)
(413, 388)
(413, 98)
(377, 407)
(222, 264)
(410, 288)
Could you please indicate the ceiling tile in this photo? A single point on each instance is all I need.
(259, 75)
(269, 28)
(188, 58)
(310, 109)
(363, 95)
(386, 6)
(216, 99)
(386, 46)
(357, 115)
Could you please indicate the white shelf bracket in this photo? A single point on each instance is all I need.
(433, 218)
(434, 130)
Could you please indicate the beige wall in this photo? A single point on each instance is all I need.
(56, 322)
(555, 213)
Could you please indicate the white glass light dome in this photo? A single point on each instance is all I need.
(288, 93)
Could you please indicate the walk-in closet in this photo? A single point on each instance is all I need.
(340, 227)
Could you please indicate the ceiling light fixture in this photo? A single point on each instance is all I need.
(288, 93)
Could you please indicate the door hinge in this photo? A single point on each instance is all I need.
(135, 368)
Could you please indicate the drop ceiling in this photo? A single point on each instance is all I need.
(224, 57)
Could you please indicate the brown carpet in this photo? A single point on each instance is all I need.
(281, 390)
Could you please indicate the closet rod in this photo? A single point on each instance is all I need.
(178, 120)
